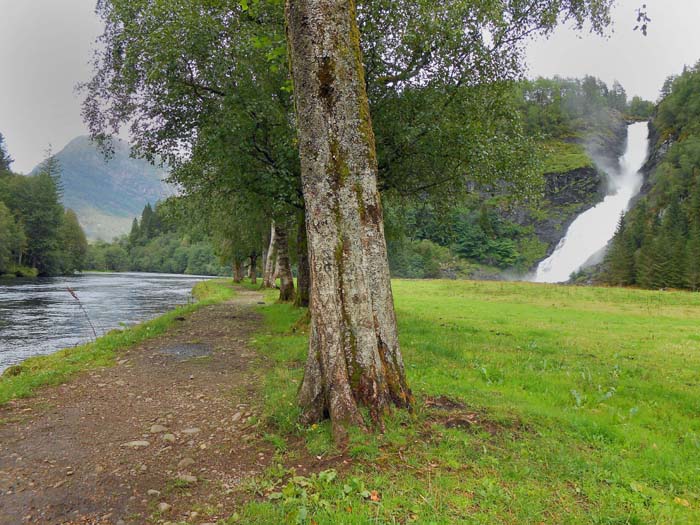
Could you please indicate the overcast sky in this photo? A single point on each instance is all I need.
(45, 46)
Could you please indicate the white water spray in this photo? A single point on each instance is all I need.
(593, 229)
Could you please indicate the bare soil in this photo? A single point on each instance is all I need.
(171, 430)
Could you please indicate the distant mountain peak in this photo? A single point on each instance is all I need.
(107, 194)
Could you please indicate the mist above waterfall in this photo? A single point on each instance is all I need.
(592, 230)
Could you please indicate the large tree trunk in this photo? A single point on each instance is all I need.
(354, 358)
(303, 277)
(270, 259)
(253, 269)
(284, 269)
(237, 271)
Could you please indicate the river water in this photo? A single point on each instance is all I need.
(593, 229)
(39, 316)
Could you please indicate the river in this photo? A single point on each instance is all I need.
(592, 230)
(39, 316)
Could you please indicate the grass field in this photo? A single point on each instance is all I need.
(566, 405)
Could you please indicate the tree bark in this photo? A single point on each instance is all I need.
(354, 358)
(271, 259)
(284, 269)
(237, 271)
(253, 268)
(303, 277)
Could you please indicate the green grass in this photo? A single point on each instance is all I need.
(561, 157)
(586, 402)
(22, 380)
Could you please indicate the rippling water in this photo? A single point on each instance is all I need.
(39, 316)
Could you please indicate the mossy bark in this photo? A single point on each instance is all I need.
(354, 358)
(284, 269)
(303, 276)
(253, 268)
(237, 271)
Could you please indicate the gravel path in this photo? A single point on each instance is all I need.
(166, 435)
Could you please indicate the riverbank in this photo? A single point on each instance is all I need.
(535, 404)
(22, 380)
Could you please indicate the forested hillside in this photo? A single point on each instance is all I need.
(578, 129)
(107, 193)
(37, 235)
(158, 243)
(657, 244)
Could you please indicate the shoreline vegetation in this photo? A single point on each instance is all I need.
(22, 380)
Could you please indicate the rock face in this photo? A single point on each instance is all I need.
(567, 196)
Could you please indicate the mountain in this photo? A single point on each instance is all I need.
(107, 194)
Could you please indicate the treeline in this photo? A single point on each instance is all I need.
(37, 235)
(657, 244)
(157, 243)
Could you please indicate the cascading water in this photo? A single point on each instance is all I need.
(593, 229)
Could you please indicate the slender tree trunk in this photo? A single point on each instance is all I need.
(237, 270)
(354, 358)
(270, 259)
(303, 277)
(253, 269)
(283, 266)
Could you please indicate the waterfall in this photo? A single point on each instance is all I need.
(593, 229)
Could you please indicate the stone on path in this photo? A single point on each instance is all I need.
(157, 429)
(185, 462)
(136, 444)
(190, 431)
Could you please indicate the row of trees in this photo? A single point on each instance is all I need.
(214, 81)
(37, 235)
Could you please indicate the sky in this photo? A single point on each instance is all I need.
(46, 45)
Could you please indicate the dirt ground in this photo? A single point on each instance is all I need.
(166, 435)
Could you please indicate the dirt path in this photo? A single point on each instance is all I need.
(167, 432)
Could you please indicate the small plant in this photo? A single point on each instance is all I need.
(80, 304)
(302, 496)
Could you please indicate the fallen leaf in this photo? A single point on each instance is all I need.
(374, 496)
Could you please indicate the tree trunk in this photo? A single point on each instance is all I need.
(237, 271)
(303, 277)
(253, 269)
(271, 259)
(354, 358)
(284, 269)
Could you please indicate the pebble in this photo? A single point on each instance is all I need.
(164, 507)
(185, 462)
(169, 437)
(190, 431)
(237, 416)
(157, 429)
(152, 492)
(187, 478)
(136, 444)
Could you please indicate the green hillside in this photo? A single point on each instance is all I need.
(107, 195)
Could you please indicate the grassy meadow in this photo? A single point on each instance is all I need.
(536, 404)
